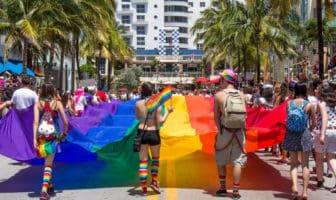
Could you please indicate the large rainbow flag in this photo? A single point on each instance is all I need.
(106, 131)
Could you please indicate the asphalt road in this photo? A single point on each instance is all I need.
(263, 178)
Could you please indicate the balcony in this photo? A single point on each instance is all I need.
(139, 1)
(140, 22)
(170, 77)
(176, 3)
(125, 12)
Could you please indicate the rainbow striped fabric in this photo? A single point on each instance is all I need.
(157, 100)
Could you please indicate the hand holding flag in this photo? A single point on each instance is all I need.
(157, 100)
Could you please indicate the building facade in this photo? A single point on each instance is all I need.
(160, 30)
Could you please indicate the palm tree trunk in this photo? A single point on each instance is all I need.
(239, 69)
(320, 38)
(24, 58)
(52, 54)
(244, 62)
(109, 71)
(97, 69)
(62, 68)
(73, 65)
(77, 57)
(258, 55)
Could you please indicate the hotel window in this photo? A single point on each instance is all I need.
(191, 4)
(141, 30)
(141, 17)
(126, 0)
(141, 41)
(125, 7)
(127, 40)
(125, 19)
(141, 8)
(202, 4)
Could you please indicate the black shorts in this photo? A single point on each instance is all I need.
(150, 137)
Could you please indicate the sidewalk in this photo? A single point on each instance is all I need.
(263, 178)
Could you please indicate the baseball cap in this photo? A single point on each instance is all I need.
(228, 75)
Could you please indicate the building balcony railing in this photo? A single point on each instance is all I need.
(140, 22)
(170, 77)
(139, 1)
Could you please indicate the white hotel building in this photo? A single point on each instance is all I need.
(160, 29)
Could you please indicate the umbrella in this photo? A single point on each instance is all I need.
(123, 89)
(201, 80)
(215, 81)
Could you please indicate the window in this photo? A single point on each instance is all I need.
(140, 8)
(126, 28)
(127, 40)
(141, 41)
(155, 38)
(202, 4)
(125, 19)
(199, 46)
(155, 6)
(141, 30)
(183, 40)
(125, 7)
(155, 16)
(155, 27)
(126, 1)
(191, 4)
(183, 30)
(141, 17)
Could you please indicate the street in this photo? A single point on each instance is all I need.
(192, 177)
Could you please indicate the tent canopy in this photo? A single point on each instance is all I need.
(14, 68)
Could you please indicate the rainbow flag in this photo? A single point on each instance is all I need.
(157, 100)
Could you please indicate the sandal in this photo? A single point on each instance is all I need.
(295, 195)
(333, 190)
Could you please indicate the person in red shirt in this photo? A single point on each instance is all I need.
(102, 95)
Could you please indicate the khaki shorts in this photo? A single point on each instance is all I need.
(232, 153)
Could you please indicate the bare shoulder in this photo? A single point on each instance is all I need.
(219, 94)
(139, 103)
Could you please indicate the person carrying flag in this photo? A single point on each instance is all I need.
(148, 111)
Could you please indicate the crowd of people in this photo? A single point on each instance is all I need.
(317, 99)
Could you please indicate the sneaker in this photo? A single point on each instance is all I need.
(154, 185)
(44, 196)
(236, 196)
(320, 184)
(50, 189)
(221, 192)
(144, 191)
(333, 190)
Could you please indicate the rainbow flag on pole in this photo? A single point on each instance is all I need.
(157, 100)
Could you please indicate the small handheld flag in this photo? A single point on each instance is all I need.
(157, 100)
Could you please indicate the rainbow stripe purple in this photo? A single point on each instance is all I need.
(157, 100)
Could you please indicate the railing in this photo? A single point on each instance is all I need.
(172, 74)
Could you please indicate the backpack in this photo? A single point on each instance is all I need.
(46, 129)
(234, 110)
(296, 118)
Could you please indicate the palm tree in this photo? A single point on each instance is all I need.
(21, 27)
(227, 31)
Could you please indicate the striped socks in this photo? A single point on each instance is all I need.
(143, 173)
(222, 182)
(46, 177)
(155, 168)
(236, 188)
